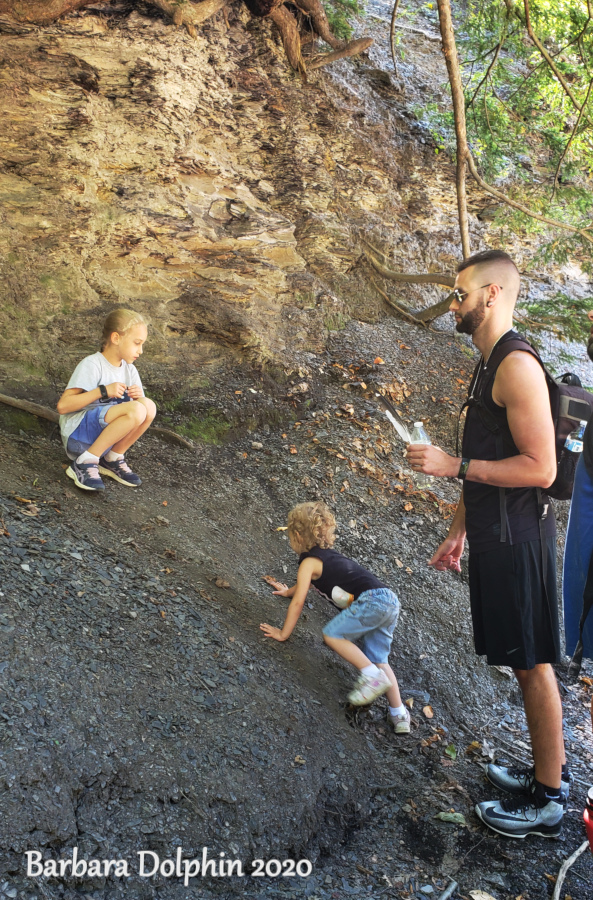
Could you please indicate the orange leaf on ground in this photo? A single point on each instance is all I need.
(408, 506)
(428, 712)
(379, 361)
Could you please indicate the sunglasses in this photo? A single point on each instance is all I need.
(460, 296)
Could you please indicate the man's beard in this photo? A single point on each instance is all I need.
(590, 348)
(471, 321)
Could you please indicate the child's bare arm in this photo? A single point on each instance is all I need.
(308, 569)
(281, 589)
(75, 399)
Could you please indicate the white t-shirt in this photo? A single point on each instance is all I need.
(88, 375)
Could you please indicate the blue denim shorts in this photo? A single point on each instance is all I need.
(370, 622)
(88, 431)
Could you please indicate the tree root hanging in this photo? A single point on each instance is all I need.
(43, 412)
(192, 14)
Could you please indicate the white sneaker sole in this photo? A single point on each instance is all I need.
(115, 477)
(364, 701)
(72, 474)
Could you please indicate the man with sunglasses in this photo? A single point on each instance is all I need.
(512, 560)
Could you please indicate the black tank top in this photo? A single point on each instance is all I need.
(482, 501)
(339, 571)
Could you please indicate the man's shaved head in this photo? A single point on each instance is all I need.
(495, 267)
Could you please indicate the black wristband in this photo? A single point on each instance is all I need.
(463, 468)
(104, 394)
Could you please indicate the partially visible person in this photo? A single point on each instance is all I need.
(369, 613)
(508, 460)
(103, 410)
(577, 587)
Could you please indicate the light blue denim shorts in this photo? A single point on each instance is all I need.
(88, 430)
(370, 622)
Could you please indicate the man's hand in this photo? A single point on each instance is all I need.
(432, 461)
(116, 390)
(272, 632)
(448, 555)
(134, 392)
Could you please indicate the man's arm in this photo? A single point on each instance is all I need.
(520, 386)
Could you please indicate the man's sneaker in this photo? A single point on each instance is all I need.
(521, 781)
(401, 723)
(120, 471)
(519, 816)
(368, 687)
(85, 476)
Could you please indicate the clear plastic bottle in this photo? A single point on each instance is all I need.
(574, 441)
(419, 436)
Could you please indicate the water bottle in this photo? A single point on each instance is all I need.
(574, 441)
(588, 817)
(419, 436)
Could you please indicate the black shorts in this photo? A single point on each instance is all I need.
(515, 620)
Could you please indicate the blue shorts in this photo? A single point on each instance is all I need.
(88, 431)
(370, 622)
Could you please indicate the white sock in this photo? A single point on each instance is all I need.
(87, 457)
(371, 670)
(111, 456)
(397, 710)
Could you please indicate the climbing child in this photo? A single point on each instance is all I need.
(369, 608)
(103, 410)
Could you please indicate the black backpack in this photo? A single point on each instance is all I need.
(570, 403)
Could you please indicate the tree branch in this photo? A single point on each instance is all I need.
(386, 272)
(570, 139)
(450, 50)
(42, 412)
(351, 49)
(492, 61)
(399, 309)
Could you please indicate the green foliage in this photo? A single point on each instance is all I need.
(210, 427)
(523, 124)
(339, 13)
(566, 315)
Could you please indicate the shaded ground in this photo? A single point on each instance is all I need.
(142, 710)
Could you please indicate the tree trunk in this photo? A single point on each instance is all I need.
(450, 50)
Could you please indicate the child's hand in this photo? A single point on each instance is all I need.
(272, 632)
(134, 391)
(116, 390)
(281, 588)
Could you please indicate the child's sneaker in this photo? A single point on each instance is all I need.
(368, 687)
(120, 471)
(85, 476)
(401, 723)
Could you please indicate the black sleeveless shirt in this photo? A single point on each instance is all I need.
(482, 501)
(339, 571)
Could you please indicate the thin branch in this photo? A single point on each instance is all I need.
(392, 33)
(524, 209)
(352, 49)
(492, 61)
(565, 867)
(570, 139)
(399, 309)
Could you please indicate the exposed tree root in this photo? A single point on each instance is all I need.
(43, 412)
(351, 49)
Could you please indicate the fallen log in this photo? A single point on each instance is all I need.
(43, 412)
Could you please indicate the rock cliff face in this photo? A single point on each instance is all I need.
(201, 182)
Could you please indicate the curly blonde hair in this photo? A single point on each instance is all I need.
(313, 523)
(120, 320)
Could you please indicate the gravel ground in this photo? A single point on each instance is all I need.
(141, 709)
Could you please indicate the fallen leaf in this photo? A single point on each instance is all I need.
(363, 385)
(456, 819)
(481, 895)
(399, 563)
(379, 361)
(428, 711)
(409, 702)
(293, 450)
(475, 745)
(551, 878)
(299, 760)
(165, 502)
(585, 680)
(31, 510)
(450, 751)
(408, 506)
(220, 582)
(22, 499)
(282, 528)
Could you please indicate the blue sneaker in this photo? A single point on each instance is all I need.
(119, 470)
(85, 476)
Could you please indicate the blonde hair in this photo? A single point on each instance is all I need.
(120, 320)
(314, 524)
